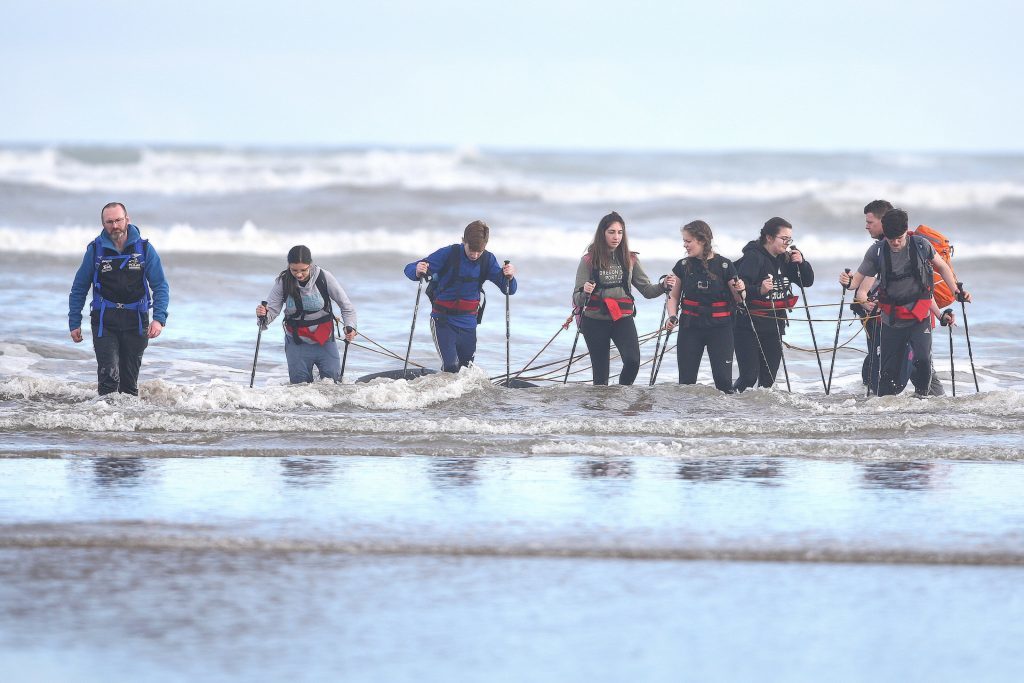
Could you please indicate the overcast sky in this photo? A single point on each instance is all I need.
(674, 75)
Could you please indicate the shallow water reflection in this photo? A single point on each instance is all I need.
(113, 473)
(307, 472)
(908, 476)
(767, 472)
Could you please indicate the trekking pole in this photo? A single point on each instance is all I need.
(661, 357)
(782, 350)
(508, 331)
(967, 332)
(572, 355)
(579, 323)
(753, 328)
(807, 310)
(835, 343)
(260, 322)
(657, 345)
(947, 321)
(878, 350)
(344, 359)
(415, 311)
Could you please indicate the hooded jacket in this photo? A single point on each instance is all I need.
(756, 264)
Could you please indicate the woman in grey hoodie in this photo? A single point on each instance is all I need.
(604, 281)
(304, 291)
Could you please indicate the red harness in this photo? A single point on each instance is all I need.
(616, 308)
(719, 309)
(919, 311)
(786, 304)
(456, 307)
(322, 333)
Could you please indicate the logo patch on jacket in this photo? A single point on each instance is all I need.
(106, 266)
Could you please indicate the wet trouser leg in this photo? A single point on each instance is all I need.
(599, 335)
(935, 388)
(118, 356)
(720, 345)
(921, 344)
(895, 341)
(767, 374)
(456, 345)
(869, 371)
(748, 357)
(752, 368)
(303, 357)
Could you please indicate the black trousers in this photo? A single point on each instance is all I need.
(869, 371)
(690, 349)
(600, 334)
(119, 351)
(752, 368)
(894, 343)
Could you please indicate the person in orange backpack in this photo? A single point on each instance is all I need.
(904, 266)
(873, 213)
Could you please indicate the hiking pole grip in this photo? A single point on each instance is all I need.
(847, 286)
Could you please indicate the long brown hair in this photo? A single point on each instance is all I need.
(600, 255)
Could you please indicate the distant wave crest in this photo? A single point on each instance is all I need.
(222, 172)
(513, 242)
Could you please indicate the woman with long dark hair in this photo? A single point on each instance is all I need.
(304, 291)
(702, 302)
(604, 281)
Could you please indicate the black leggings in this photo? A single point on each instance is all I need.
(690, 350)
(599, 335)
(752, 368)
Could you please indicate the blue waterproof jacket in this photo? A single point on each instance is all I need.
(465, 287)
(153, 272)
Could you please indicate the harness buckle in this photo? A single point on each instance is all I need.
(120, 305)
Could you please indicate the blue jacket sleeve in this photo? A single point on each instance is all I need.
(495, 275)
(80, 289)
(158, 285)
(436, 261)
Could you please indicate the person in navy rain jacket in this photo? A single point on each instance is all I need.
(459, 272)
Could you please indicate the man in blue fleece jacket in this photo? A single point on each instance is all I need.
(127, 280)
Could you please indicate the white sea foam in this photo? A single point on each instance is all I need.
(513, 242)
(220, 172)
(15, 359)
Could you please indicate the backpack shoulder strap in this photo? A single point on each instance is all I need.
(321, 284)
(485, 269)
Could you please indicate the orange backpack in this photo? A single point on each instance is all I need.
(943, 297)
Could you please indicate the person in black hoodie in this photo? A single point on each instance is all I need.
(768, 267)
(704, 294)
